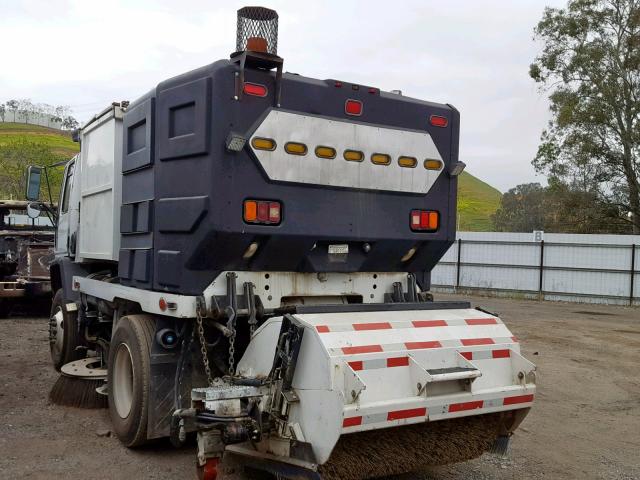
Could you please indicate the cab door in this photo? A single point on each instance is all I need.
(63, 233)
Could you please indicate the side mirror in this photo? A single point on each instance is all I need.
(34, 177)
(33, 210)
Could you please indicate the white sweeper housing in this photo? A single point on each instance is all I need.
(374, 370)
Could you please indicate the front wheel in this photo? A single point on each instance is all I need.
(64, 337)
(128, 378)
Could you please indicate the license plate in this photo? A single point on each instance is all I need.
(338, 249)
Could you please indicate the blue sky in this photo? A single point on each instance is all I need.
(473, 54)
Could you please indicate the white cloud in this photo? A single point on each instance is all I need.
(472, 54)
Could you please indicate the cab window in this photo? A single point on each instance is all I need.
(64, 207)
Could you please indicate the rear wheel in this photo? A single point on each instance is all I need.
(63, 332)
(128, 378)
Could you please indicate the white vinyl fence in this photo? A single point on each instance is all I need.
(562, 267)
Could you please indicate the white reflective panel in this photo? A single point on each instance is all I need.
(286, 127)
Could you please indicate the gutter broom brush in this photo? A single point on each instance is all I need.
(81, 384)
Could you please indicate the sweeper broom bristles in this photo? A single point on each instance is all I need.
(79, 385)
(399, 450)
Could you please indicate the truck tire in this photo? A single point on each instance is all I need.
(128, 378)
(63, 332)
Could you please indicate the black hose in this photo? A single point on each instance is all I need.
(209, 417)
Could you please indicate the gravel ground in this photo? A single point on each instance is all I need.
(585, 423)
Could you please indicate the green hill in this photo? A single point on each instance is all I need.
(477, 200)
(58, 141)
(22, 145)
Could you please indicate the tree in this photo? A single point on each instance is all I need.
(25, 108)
(13, 105)
(69, 123)
(590, 65)
(521, 209)
(3, 109)
(558, 208)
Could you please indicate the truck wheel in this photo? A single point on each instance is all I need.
(128, 377)
(63, 332)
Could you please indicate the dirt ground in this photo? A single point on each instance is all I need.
(585, 423)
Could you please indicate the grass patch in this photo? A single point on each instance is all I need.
(477, 201)
(60, 142)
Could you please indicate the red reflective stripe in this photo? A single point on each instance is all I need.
(429, 323)
(352, 422)
(322, 329)
(411, 413)
(362, 349)
(419, 345)
(477, 341)
(467, 355)
(356, 365)
(397, 362)
(461, 407)
(481, 321)
(501, 353)
(371, 326)
(518, 399)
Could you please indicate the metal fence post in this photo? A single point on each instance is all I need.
(458, 264)
(633, 274)
(541, 275)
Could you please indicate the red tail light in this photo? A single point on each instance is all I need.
(353, 107)
(262, 212)
(438, 121)
(424, 220)
(255, 89)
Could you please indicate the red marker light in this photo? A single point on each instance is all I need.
(438, 121)
(162, 303)
(353, 107)
(255, 89)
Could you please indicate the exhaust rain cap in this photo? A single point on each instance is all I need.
(257, 30)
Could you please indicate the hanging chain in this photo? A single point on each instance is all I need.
(232, 351)
(203, 348)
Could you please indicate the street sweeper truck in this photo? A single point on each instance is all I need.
(245, 254)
